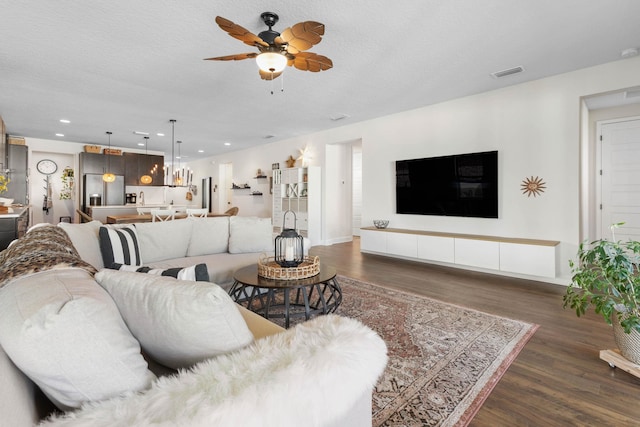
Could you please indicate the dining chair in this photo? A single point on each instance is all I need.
(162, 215)
(232, 211)
(197, 213)
(83, 216)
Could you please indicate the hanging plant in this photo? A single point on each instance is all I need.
(67, 184)
(4, 183)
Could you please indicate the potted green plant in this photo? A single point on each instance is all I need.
(606, 276)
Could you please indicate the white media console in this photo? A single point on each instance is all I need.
(510, 255)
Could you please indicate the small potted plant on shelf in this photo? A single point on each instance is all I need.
(606, 276)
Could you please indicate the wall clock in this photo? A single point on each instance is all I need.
(47, 167)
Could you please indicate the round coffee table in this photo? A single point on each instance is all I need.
(287, 299)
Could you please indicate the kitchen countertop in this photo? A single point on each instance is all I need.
(14, 211)
(148, 205)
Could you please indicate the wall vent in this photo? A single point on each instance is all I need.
(507, 72)
(338, 116)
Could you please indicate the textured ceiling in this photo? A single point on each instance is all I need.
(128, 66)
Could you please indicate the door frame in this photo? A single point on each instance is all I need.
(598, 167)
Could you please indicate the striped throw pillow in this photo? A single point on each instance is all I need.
(196, 273)
(120, 246)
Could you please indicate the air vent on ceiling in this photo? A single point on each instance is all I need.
(632, 93)
(338, 116)
(507, 72)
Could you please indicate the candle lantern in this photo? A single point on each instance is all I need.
(289, 250)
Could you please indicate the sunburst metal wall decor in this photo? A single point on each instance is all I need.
(533, 186)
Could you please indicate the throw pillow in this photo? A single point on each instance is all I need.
(195, 273)
(163, 240)
(250, 234)
(85, 238)
(209, 236)
(64, 332)
(178, 323)
(119, 246)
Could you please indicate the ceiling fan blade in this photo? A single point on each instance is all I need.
(266, 75)
(236, 57)
(240, 33)
(309, 61)
(302, 36)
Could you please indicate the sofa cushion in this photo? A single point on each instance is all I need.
(219, 266)
(194, 273)
(164, 240)
(250, 234)
(86, 240)
(119, 246)
(65, 333)
(209, 236)
(177, 322)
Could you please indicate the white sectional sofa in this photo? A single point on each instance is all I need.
(224, 244)
(113, 339)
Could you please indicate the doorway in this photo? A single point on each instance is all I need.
(226, 181)
(619, 149)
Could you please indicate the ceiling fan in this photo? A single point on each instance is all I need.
(277, 50)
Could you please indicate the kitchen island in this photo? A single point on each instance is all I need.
(13, 224)
(101, 213)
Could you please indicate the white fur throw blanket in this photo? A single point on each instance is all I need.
(309, 375)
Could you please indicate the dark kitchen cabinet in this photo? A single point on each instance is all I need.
(137, 165)
(98, 163)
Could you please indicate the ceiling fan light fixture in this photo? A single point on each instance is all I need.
(271, 62)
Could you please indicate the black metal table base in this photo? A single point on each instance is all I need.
(289, 302)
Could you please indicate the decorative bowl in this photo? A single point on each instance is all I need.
(5, 202)
(381, 223)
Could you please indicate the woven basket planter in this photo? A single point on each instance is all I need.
(628, 344)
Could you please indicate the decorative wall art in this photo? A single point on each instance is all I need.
(67, 184)
(533, 186)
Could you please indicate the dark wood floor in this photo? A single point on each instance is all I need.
(558, 378)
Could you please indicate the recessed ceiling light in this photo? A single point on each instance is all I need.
(227, 143)
(59, 134)
(137, 132)
(160, 134)
(141, 144)
(200, 151)
(65, 121)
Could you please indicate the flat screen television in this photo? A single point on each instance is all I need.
(460, 185)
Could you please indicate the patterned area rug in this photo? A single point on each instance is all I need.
(444, 360)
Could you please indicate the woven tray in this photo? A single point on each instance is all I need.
(267, 267)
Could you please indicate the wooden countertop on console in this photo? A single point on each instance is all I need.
(468, 236)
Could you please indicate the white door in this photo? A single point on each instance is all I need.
(620, 183)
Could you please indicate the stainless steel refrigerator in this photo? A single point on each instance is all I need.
(96, 192)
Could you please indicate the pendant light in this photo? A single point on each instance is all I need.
(108, 176)
(179, 178)
(146, 179)
(173, 158)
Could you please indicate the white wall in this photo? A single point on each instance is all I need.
(534, 126)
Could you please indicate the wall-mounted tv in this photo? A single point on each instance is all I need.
(460, 185)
